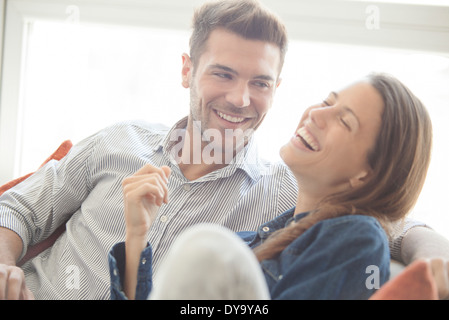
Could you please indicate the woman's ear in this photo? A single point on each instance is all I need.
(360, 179)
(187, 69)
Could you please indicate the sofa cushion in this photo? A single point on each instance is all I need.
(415, 282)
(32, 251)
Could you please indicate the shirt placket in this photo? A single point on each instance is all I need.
(178, 192)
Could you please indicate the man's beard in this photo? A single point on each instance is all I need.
(225, 144)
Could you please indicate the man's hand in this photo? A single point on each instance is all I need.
(144, 193)
(440, 271)
(425, 243)
(12, 284)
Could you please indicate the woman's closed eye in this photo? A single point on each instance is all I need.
(325, 103)
(345, 123)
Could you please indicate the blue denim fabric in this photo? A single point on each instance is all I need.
(340, 258)
(117, 258)
(334, 259)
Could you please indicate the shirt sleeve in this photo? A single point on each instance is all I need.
(399, 230)
(117, 259)
(35, 208)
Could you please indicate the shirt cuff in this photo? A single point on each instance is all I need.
(15, 224)
(400, 228)
(117, 260)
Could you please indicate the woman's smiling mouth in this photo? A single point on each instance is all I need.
(307, 139)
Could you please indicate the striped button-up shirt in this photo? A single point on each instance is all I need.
(84, 191)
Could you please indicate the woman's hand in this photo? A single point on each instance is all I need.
(144, 192)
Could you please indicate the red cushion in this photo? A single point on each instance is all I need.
(415, 282)
(38, 248)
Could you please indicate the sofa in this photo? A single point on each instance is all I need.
(411, 282)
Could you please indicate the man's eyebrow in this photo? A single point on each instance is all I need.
(264, 77)
(230, 70)
(222, 67)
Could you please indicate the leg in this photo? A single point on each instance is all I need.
(210, 262)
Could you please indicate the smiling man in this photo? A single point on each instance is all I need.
(231, 90)
(232, 72)
(237, 50)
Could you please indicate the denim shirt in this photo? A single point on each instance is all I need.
(341, 258)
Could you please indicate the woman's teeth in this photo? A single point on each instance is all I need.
(230, 118)
(307, 139)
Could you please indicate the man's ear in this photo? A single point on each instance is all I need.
(278, 83)
(360, 179)
(187, 69)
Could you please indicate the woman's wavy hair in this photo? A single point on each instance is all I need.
(399, 162)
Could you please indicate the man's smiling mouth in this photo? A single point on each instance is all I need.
(230, 118)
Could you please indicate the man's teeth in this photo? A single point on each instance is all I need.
(310, 141)
(229, 118)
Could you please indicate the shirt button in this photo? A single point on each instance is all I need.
(187, 187)
(144, 261)
(266, 229)
(163, 219)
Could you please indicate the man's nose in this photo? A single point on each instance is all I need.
(239, 95)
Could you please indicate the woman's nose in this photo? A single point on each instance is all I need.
(320, 116)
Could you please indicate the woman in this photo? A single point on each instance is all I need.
(360, 159)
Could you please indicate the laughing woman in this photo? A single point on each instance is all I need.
(360, 159)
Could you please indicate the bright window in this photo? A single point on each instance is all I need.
(66, 80)
(82, 78)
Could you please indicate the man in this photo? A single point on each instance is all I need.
(232, 72)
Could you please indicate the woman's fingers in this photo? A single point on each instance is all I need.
(146, 185)
(152, 175)
(144, 192)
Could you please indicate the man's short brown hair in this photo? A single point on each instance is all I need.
(246, 18)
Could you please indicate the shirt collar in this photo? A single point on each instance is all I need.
(247, 159)
(280, 222)
(167, 143)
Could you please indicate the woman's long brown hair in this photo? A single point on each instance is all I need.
(399, 162)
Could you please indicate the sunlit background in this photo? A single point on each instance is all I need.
(77, 78)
